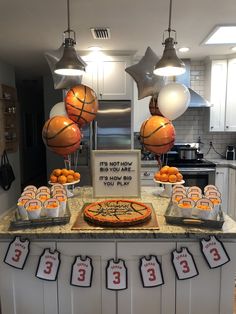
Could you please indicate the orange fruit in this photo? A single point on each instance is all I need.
(64, 172)
(56, 172)
(157, 176)
(70, 178)
(179, 177)
(172, 178)
(76, 176)
(164, 169)
(71, 172)
(53, 178)
(173, 170)
(62, 179)
(164, 177)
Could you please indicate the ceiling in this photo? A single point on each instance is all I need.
(31, 28)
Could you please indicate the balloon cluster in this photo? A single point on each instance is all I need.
(61, 133)
(168, 102)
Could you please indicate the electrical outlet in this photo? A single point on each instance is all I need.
(210, 143)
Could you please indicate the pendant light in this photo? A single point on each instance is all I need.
(70, 63)
(169, 64)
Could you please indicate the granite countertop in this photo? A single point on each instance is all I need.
(224, 163)
(148, 195)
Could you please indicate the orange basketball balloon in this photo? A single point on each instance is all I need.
(157, 134)
(81, 104)
(61, 135)
(153, 106)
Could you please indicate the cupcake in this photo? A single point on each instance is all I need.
(204, 208)
(216, 200)
(43, 189)
(62, 198)
(186, 206)
(28, 193)
(21, 206)
(51, 207)
(33, 208)
(31, 188)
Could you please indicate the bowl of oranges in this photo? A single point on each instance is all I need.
(168, 176)
(64, 176)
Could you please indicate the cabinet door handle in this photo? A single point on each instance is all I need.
(100, 95)
(147, 174)
(227, 126)
(212, 127)
(217, 172)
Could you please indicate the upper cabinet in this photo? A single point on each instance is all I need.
(221, 76)
(108, 77)
(140, 110)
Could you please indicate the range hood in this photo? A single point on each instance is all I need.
(197, 101)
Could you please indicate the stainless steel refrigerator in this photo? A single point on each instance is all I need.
(110, 130)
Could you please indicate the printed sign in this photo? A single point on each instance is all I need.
(17, 253)
(116, 275)
(82, 272)
(116, 173)
(184, 264)
(48, 267)
(214, 252)
(151, 272)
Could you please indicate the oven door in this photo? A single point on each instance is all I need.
(198, 176)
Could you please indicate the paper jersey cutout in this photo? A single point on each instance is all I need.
(116, 275)
(151, 272)
(184, 264)
(82, 272)
(17, 253)
(214, 252)
(48, 267)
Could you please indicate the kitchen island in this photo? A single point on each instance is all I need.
(209, 292)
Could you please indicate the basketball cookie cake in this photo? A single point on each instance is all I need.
(117, 213)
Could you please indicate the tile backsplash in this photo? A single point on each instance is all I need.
(194, 122)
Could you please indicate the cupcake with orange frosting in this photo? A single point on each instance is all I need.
(51, 207)
(33, 208)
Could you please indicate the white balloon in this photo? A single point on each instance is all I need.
(58, 110)
(173, 100)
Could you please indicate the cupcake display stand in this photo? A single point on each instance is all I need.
(167, 187)
(69, 187)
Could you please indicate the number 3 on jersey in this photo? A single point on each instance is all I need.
(116, 275)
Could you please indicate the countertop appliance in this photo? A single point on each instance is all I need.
(230, 152)
(198, 171)
(110, 130)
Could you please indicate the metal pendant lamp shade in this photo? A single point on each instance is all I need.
(169, 64)
(70, 64)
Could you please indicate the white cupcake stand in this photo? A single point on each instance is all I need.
(167, 187)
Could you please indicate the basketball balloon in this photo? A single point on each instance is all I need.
(153, 106)
(157, 134)
(81, 104)
(61, 135)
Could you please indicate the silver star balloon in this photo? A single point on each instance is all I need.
(61, 81)
(148, 83)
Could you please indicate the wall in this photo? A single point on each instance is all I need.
(51, 97)
(8, 199)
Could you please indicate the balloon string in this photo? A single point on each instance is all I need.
(158, 158)
(67, 162)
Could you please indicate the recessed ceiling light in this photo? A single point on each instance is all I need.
(183, 49)
(233, 48)
(221, 34)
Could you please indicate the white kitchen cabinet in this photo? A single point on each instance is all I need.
(212, 290)
(222, 94)
(140, 109)
(221, 181)
(137, 299)
(232, 193)
(95, 299)
(20, 291)
(108, 77)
